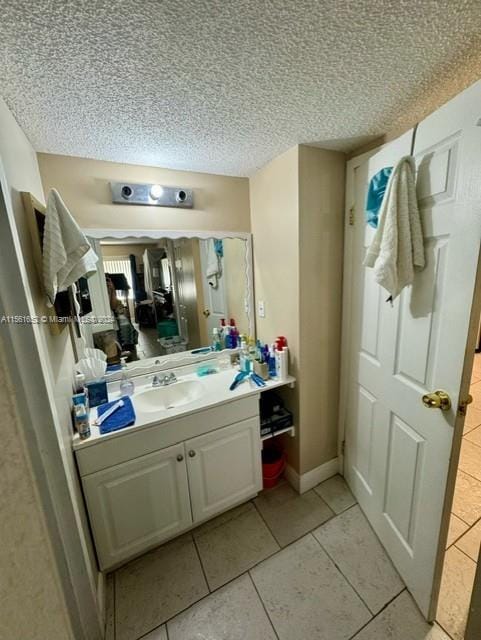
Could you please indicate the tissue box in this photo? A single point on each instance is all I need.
(97, 391)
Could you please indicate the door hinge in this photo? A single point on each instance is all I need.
(343, 447)
(351, 216)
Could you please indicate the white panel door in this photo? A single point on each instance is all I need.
(135, 505)
(397, 452)
(215, 299)
(224, 468)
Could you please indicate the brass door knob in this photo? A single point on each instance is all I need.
(437, 400)
(206, 313)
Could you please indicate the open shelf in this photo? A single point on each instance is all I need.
(290, 430)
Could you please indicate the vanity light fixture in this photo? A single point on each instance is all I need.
(151, 194)
(156, 191)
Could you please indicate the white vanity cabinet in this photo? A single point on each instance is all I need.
(143, 487)
(137, 504)
(224, 468)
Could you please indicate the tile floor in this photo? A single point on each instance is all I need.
(464, 536)
(282, 567)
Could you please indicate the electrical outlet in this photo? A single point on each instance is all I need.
(261, 310)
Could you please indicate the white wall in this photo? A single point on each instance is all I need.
(297, 225)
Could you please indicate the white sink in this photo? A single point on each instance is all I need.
(169, 397)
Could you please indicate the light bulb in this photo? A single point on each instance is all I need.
(156, 191)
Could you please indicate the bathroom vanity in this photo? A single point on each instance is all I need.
(194, 452)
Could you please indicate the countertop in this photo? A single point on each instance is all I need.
(215, 392)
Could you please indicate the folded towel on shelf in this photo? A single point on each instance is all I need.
(123, 417)
(67, 254)
(397, 249)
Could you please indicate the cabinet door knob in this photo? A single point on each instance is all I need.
(191, 453)
(180, 457)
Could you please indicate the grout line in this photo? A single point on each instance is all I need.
(345, 577)
(377, 614)
(114, 603)
(469, 474)
(165, 622)
(263, 604)
(441, 626)
(201, 565)
(465, 554)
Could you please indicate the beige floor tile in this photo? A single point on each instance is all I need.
(336, 494)
(157, 586)
(401, 620)
(290, 515)
(224, 517)
(470, 459)
(109, 608)
(235, 612)
(467, 498)
(456, 529)
(234, 546)
(471, 541)
(473, 418)
(306, 596)
(157, 634)
(455, 594)
(475, 391)
(474, 436)
(356, 551)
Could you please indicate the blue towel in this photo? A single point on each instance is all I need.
(375, 194)
(123, 417)
(113, 367)
(219, 248)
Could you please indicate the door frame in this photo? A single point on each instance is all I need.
(346, 329)
(33, 391)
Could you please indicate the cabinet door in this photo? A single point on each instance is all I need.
(137, 504)
(224, 468)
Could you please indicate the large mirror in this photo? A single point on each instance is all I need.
(165, 295)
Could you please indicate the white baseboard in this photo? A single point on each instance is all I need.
(312, 478)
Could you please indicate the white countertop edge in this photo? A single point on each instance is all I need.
(243, 391)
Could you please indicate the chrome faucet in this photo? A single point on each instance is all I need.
(164, 381)
(169, 378)
(156, 381)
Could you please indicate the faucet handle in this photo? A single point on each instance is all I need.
(155, 380)
(172, 377)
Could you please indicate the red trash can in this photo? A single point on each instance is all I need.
(273, 465)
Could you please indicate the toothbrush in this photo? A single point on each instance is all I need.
(237, 380)
(109, 412)
(258, 380)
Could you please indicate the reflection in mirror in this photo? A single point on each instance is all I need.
(168, 295)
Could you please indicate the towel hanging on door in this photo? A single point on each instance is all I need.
(397, 249)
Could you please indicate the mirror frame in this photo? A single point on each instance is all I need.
(158, 363)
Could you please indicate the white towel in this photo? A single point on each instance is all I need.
(213, 267)
(67, 254)
(397, 249)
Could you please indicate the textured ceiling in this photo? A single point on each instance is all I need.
(223, 86)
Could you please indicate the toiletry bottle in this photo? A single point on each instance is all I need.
(272, 362)
(127, 385)
(81, 421)
(216, 342)
(235, 341)
(222, 330)
(281, 363)
(227, 338)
